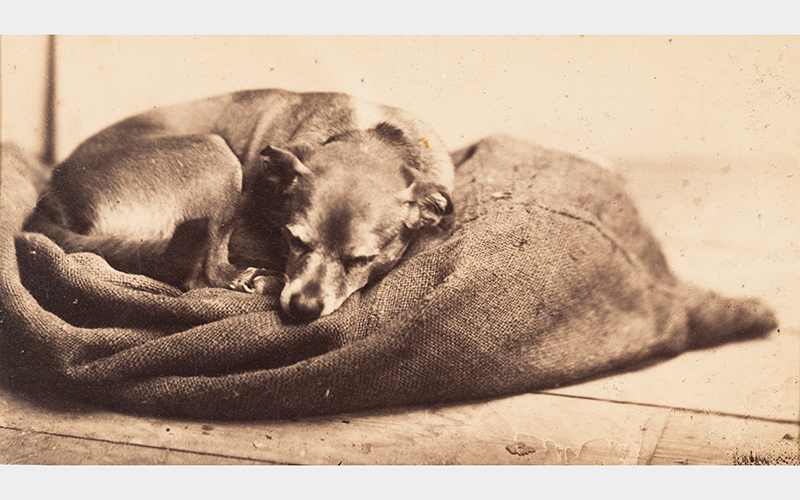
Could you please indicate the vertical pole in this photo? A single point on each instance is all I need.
(49, 149)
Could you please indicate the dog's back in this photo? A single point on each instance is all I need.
(251, 120)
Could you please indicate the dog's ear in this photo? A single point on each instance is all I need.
(426, 204)
(283, 165)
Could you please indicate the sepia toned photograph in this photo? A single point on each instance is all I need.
(400, 250)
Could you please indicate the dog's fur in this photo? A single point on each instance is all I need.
(324, 186)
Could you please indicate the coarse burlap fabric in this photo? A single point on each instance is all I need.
(544, 276)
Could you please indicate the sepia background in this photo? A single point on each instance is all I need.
(729, 96)
(705, 128)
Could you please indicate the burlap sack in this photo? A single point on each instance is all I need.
(544, 277)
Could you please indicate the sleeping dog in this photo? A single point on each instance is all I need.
(324, 187)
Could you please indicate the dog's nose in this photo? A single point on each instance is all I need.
(304, 308)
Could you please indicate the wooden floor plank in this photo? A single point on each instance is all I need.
(526, 429)
(33, 448)
(520, 430)
(759, 378)
(697, 439)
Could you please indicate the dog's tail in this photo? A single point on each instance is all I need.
(171, 260)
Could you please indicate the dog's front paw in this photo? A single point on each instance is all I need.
(257, 281)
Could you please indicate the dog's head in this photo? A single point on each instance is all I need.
(352, 206)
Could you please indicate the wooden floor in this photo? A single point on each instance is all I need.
(733, 230)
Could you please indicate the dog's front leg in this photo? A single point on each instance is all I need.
(258, 281)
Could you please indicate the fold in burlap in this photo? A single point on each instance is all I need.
(544, 276)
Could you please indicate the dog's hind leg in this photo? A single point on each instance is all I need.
(212, 269)
(216, 197)
(163, 207)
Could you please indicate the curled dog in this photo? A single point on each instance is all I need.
(325, 187)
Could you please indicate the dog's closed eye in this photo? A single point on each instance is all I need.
(356, 262)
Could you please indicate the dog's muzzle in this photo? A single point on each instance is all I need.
(305, 308)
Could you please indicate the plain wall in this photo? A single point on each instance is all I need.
(22, 88)
(615, 96)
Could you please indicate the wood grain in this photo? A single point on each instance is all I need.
(530, 429)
